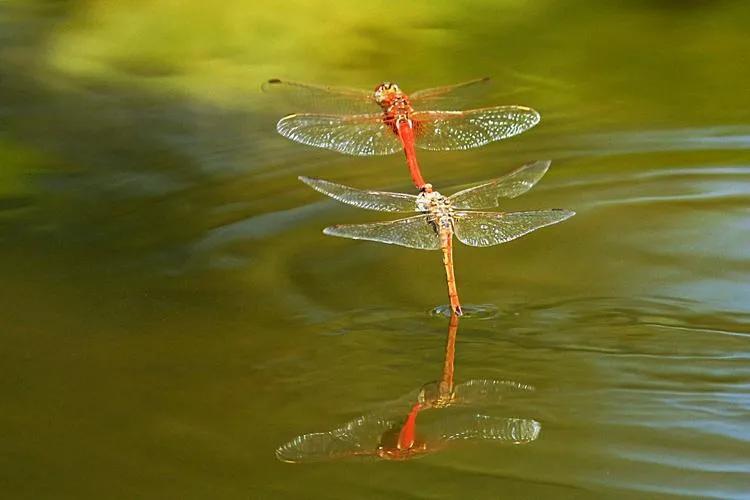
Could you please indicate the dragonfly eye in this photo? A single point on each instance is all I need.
(386, 91)
(382, 92)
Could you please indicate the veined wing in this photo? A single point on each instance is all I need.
(485, 229)
(448, 130)
(412, 232)
(371, 200)
(450, 97)
(509, 186)
(322, 98)
(489, 428)
(358, 438)
(487, 392)
(361, 135)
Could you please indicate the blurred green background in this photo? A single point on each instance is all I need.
(171, 312)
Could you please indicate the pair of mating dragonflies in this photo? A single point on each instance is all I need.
(387, 120)
(387, 434)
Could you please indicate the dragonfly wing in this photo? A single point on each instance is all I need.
(448, 130)
(509, 186)
(487, 392)
(322, 98)
(489, 428)
(450, 97)
(358, 438)
(360, 135)
(485, 229)
(371, 200)
(412, 232)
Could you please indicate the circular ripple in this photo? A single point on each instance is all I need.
(472, 311)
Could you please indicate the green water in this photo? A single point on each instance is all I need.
(171, 313)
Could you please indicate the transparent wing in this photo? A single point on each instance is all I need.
(450, 97)
(487, 392)
(485, 229)
(358, 438)
(371, 200)
(412, 232)
(509, 186)
(448, 130)
(489, 428)
(321, 98)
(361, 135)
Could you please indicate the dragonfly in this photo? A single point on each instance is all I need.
(387, 120)
(387, 435)
(440, 218)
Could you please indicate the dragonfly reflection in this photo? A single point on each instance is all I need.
(389, 434)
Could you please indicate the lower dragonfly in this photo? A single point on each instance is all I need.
(387, 435)
(441, 217)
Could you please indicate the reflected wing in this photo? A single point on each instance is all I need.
(446, 130)
(412, 232)
(358, 438)
(509, 186)
(362, 135)
(484, 229)
(487, 392)
(488, 428)
(450, 97)
(371, 200)
(322, 98)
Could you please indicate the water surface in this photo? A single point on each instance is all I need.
(172, 313)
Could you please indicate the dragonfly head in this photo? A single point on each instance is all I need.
(423, 201)
(386, 92)
(436, 395)
(429, 200)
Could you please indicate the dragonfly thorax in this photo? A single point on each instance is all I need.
(399, 111)
(437, 206)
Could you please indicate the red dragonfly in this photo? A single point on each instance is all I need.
(386, 434)
(357, 127)
(441, 217)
